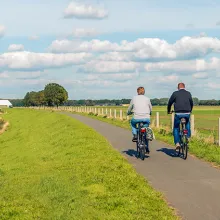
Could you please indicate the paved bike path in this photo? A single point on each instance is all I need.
(191, 186)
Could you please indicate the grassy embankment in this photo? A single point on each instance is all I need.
(54, 167)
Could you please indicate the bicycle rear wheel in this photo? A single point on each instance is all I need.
(138, 149)
(142, 151)
(184, 147)
(142, 147)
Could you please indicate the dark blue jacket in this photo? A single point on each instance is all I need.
(182, 100)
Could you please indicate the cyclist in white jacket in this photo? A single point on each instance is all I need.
(141, 106)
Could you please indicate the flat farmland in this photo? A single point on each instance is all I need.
(206, 117)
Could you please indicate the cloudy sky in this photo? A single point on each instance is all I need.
(106, 48)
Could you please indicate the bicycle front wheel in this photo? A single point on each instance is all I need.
(185, 151)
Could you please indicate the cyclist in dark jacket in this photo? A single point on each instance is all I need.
(183, 105)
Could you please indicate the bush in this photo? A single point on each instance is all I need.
(105, 116)
(163, 131)
(91, 113)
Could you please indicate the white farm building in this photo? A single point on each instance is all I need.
(5, 104)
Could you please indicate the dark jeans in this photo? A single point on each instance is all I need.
(176, 127)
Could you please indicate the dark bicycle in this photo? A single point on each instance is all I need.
(142, 141)
(183, 150)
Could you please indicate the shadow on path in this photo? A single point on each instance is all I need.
(132, 153)
(169, 152)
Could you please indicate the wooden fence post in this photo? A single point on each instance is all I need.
(115, 113)
(110, 113)
(102, 111)
(106, 112)
(219, 132)
(157, 120)
(121, 116)
(172, 120)
(192, 123)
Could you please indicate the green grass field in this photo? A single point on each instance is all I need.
(54, 167)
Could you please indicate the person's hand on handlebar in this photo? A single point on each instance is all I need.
(130, 113)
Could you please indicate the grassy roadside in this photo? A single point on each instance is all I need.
(54, 167)
(208, 152)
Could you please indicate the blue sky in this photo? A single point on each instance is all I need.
(106, 48)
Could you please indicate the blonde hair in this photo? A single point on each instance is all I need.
(140, 90)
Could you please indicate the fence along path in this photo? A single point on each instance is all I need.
(120, 114)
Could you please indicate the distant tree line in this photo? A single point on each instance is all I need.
(60, 98)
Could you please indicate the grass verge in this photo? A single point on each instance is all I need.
(54, 167)
(199, 148)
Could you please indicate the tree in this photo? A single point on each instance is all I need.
(26, 99)
(55, 94)
(195, 101)
(30, 99)
(17, 102)
(40, 98)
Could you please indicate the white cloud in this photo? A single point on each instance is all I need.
(199, 65)
(4, 75)
(185, 48)
(16, 47)
(97, 66)
(33, 61)
(201, 75)
(2, 31)
(116, 56)
(22, 74)
(34, 37)
(213, 85)
(103, 83)
(168, 79)
(113, 76)
(82, 32)
(203, 34)
(145, 48)
(172, 66)
(67, 46)
(190, 26)
(84, 11)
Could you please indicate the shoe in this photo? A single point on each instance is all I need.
(134, 138)
(177, 146)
